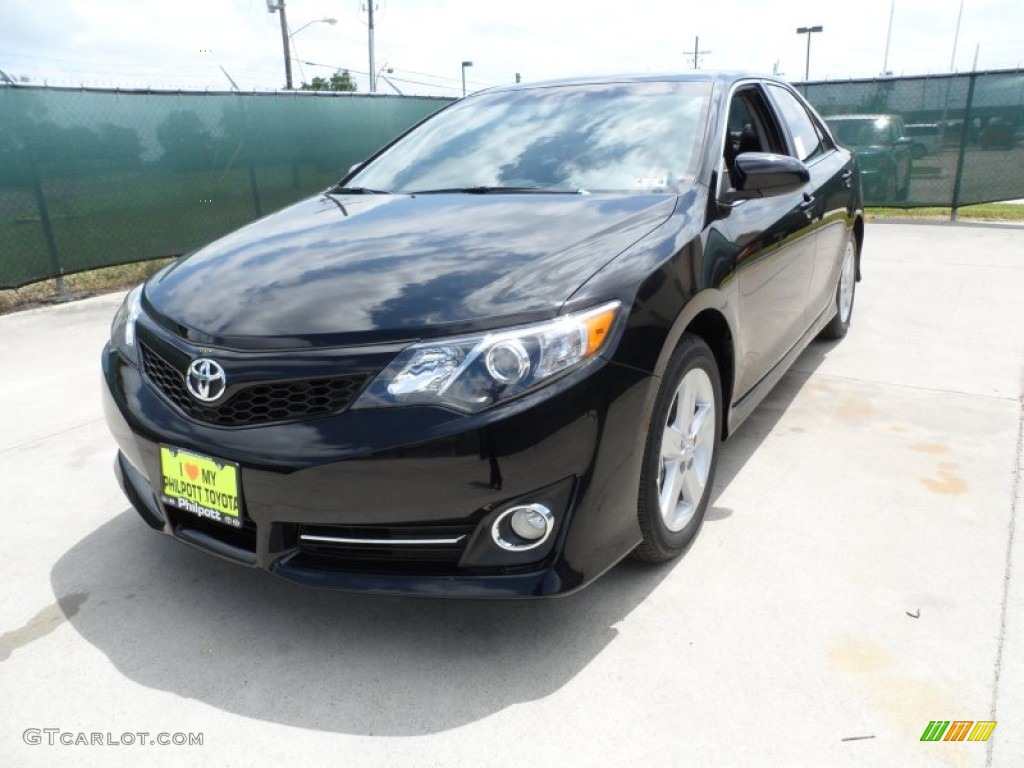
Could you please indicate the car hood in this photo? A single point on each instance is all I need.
(363, 268)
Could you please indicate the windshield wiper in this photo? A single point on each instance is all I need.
(484, 190)
(356, 191)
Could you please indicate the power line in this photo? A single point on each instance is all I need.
(392, 77)
(443, 77)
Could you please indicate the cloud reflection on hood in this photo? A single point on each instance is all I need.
(401, 263)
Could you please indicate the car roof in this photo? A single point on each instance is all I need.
(724, 77)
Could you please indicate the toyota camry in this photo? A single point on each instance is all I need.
(502, 353)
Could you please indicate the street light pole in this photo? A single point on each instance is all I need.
(808, 31)
(332, 22)
(286, 36)
(464, 65)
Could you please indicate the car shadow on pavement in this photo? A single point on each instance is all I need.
(178, 620)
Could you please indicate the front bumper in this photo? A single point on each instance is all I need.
(575, 445)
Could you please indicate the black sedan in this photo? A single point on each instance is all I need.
(502, 353)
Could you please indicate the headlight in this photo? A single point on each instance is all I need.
(471, 373)
(122, 330)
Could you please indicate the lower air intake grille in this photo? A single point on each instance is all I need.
(402, 549)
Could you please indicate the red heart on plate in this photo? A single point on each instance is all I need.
(192, 471)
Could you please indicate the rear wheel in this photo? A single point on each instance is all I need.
(681, 452)
(845, 290)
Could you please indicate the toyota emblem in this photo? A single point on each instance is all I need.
(206, 380)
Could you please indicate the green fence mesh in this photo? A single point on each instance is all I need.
(960, 136)
(95, 178)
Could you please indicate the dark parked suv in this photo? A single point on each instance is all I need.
(502, 354)
(883, 150)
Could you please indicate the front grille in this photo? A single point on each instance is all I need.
(255, 403)
(394, 549)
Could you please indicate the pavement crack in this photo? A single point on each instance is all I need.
(881, 383)
(1014, 506)
(47, 437)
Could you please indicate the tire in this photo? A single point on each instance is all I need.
(846, 289)
(681, 449)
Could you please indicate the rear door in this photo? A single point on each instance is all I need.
(831, 192)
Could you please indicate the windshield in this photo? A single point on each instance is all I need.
(614, 136)
(862, 133)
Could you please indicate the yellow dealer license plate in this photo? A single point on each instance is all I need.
(203, 486)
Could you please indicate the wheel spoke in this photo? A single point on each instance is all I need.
(846, 280)
(671, 444)
(686, 396)
(692, 485)
(671, 489)
(703, 421)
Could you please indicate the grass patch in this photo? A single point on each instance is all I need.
(983, 212)
(94, 281)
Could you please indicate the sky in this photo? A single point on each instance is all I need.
(145, 43)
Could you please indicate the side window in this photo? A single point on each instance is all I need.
(751, 127)
(823, 137)
(807, 139)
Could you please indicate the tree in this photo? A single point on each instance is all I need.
(186, 141)
(341, 80)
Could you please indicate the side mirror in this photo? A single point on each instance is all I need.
(762, 174)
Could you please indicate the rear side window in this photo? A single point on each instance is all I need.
(808, 140)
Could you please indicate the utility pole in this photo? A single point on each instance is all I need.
(279, 6)
(373, 66)
(697, 51)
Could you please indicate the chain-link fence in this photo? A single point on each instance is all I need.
(942, 140)
(95, 178)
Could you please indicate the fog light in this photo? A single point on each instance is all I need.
(523, 527)
(528, 523)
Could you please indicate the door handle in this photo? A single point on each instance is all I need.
(807, 206)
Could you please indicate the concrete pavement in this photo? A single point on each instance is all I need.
(858, 576)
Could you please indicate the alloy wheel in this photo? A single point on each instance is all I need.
(687, 445)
